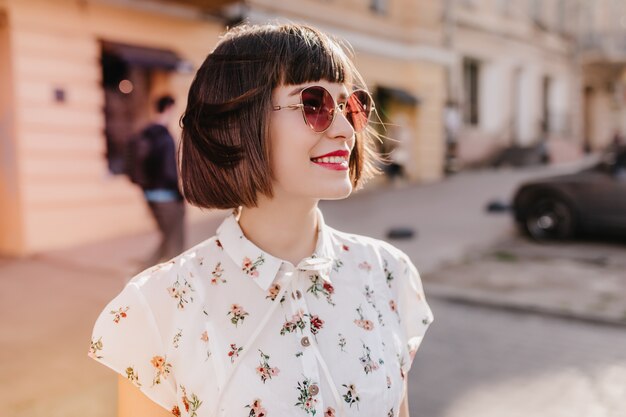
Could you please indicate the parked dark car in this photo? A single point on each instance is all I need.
(592, 200)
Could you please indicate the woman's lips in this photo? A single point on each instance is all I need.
(341, 165)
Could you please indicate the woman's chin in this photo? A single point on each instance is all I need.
(337, 193)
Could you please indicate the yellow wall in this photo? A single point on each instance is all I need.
(426, 82)
(68, 197)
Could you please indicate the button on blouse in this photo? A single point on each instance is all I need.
(226, 329)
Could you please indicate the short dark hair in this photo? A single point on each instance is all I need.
(163, 103)
(225, 159)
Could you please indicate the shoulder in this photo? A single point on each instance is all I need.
(365, 245)
(182, 273)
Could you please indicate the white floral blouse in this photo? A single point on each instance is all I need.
(226, 329)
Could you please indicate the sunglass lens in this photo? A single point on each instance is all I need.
(358, 109)
(318, 108)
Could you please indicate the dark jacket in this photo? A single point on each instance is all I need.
(160, 165)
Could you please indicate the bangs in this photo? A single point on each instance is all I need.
(311, 56)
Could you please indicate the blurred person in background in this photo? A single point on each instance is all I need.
(151, 164)
(452, 124)
(616, 141)
(278, 314)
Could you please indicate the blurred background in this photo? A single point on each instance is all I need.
(506, 185)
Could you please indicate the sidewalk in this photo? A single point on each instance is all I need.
(575, 280)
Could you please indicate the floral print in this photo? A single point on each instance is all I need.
(216, 275)
(234, 352)
(162, 369)
(320, 286)
(119, 314)
(94, 348)
(205, 338)
(351, 397)
(401, 365)
(250, 267)
(366, 361)
(342, 342)
(222, 308)
(365, 266)
(387, 272)
(132, 376)
(180, 292)
(264, 369)
(338, 263)
(369, 297)
(273, 292)
(237, 314)
(191, 403)
(177, 337)
(256, 409)
(296, 322)
(362, 322)
(316, 323)
(306, 400)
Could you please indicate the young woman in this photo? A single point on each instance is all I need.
(278, 315)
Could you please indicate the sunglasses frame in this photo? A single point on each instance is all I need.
(340, 106)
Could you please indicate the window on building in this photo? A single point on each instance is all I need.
(379, 6)
(471, 80)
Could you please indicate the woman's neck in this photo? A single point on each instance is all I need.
(285, 230)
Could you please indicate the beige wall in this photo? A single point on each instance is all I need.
(405, 20)
(67, 195)
(427, 82)
(516, 49)
(11, 236)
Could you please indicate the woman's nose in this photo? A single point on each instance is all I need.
(341, 126)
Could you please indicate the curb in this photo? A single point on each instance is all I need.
(480, 298)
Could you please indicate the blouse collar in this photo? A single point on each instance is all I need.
(263, 267)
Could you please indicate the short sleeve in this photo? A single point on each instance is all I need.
(413, 309)
(126, 338)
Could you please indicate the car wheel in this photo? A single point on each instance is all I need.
(549, 218)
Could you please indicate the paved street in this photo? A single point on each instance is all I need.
(476, 361)
(483, 362)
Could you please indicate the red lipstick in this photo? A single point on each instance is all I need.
(340, 152)
(336, 160)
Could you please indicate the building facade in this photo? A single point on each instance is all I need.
(602, 58)
(515, 77)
